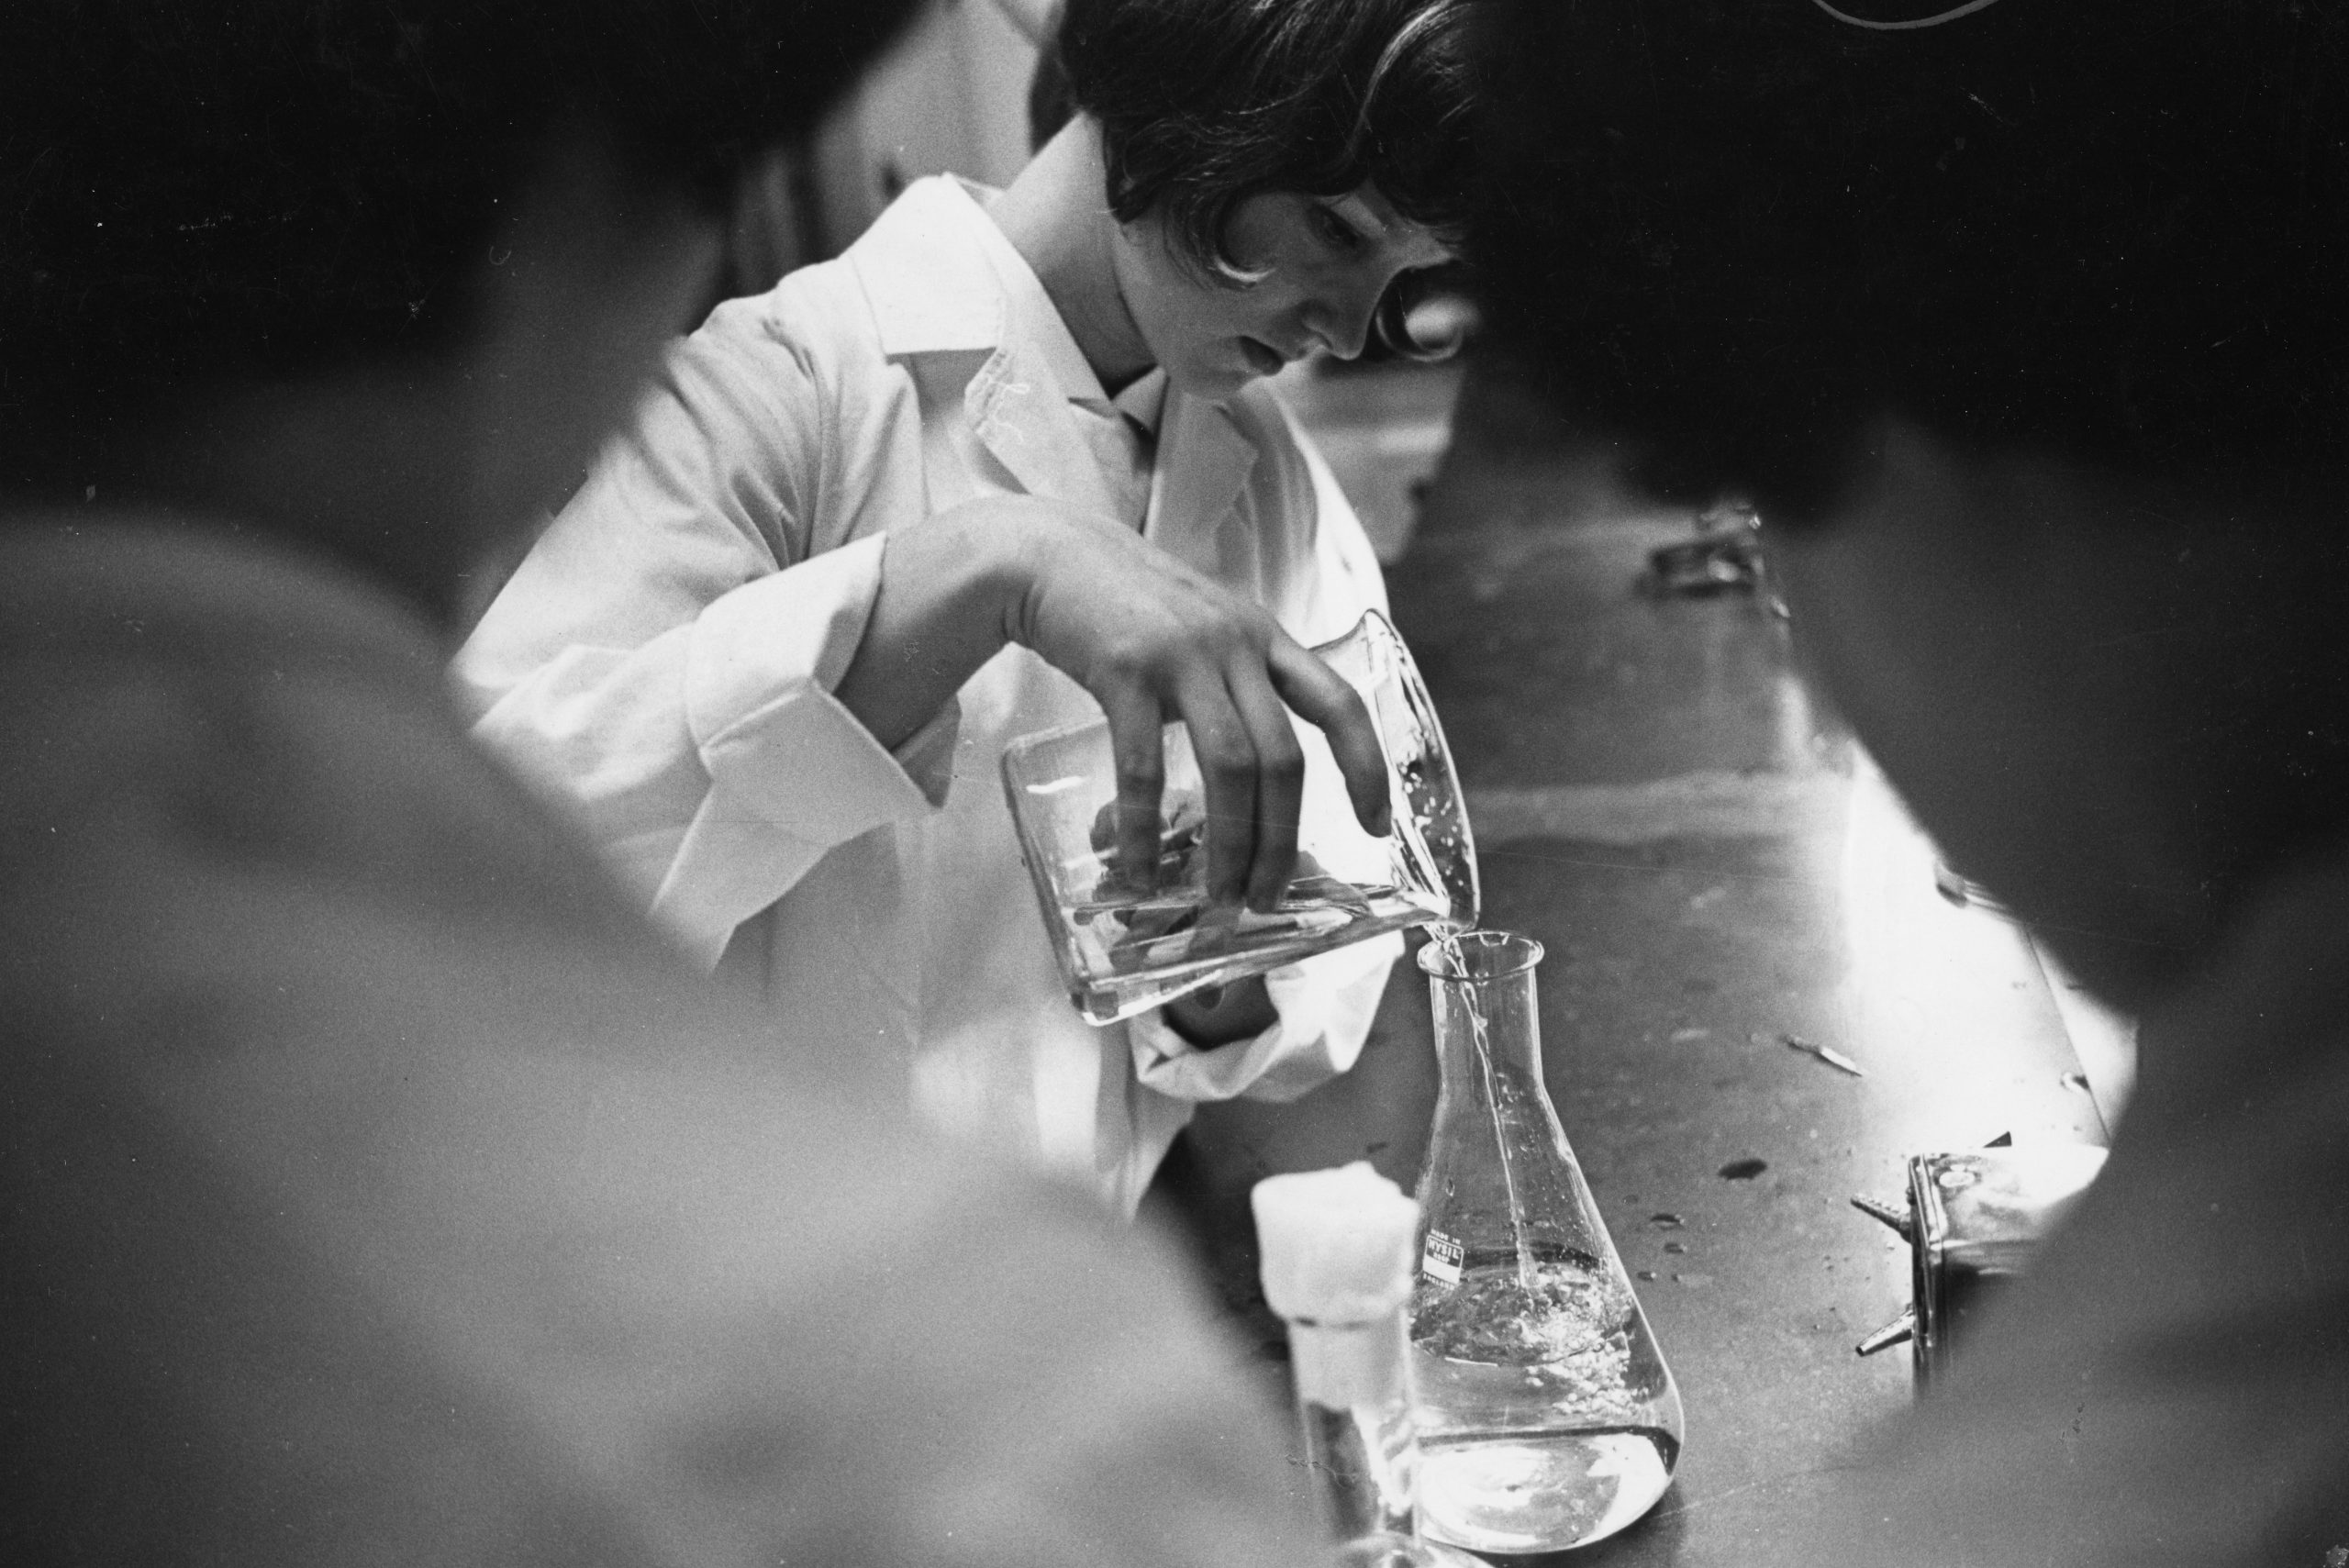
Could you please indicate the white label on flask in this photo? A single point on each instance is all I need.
(1440, 1258)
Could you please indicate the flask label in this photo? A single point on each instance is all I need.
(1440, 1259)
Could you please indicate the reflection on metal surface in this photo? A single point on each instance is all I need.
(1967, 892)
(2104, 1041)
(1702, 567)
(1949, 1009)
(1725, 557)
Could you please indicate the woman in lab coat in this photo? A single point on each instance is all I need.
(1006, 465)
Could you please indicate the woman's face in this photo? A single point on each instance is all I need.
(1327, 261)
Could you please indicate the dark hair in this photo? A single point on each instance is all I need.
(1048, 105)
(1202, 103)
(194, 192)
(1743, 228)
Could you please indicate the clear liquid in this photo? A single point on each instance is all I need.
(1546, 1418)
(1364, 1465)
(1541, 1491)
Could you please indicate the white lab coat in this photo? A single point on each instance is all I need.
(664, 660)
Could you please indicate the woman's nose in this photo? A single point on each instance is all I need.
(1341, 318)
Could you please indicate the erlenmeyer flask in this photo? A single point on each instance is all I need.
(1546, 1415)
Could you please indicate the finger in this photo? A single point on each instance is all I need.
(1323, 698)
(1280, 785)
(1137, 743)
(1228, 767)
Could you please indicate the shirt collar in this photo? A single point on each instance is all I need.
(942, 278)
(1145, 401)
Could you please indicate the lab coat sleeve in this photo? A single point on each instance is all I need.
(1326, 1002)
(664, 660)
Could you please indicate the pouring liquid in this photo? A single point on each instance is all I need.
(1481, 1036)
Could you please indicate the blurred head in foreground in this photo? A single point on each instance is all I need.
(379, 1189)
(2027, 326)
(369, 276)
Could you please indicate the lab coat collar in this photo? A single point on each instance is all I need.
(1144, 402)
(929, 299)
(937, 286)
(940, 278)
(926, 274)
(1037, 323)
(1205, 459)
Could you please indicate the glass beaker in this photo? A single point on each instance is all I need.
(1547, 1417)
(1123, 950)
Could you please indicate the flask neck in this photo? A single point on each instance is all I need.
(1493, 1108)
(1488, 1021)
(1500, 1189)
(1487, 1025)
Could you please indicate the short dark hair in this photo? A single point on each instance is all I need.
(1202, 103)
(190, 194)
(1741, 228)
(1048, 105)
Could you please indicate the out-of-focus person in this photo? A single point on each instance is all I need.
(1008, 463)
(378, 1187)
(2027, 324)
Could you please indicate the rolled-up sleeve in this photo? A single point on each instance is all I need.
(1326, 1005)
(663, 662)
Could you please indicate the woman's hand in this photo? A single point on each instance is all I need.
(1152, 640)
(1155, 642)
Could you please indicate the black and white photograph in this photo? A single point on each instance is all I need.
(1174, 783)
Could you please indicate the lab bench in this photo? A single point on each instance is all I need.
(1723, 884)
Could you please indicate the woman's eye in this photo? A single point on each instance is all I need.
(1335, 231)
